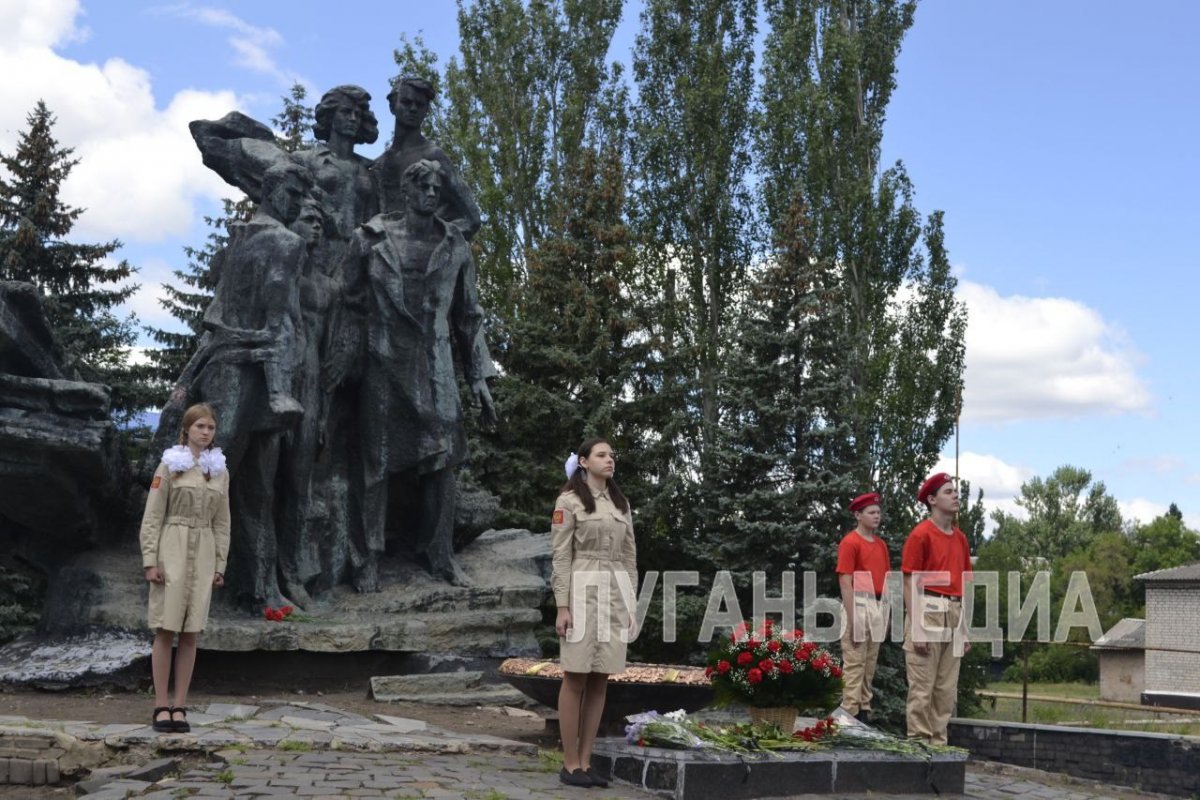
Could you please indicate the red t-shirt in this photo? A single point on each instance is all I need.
(856, 554)
(930, 549)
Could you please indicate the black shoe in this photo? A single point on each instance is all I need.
(180, 725)
(595, 778)
(576, 778)
(162, 725)
(864, 717)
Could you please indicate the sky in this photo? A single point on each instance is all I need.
(1057, 137)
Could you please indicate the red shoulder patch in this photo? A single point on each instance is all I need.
(560, 516)
(154, 484)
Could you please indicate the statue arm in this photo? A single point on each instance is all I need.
(237, 148)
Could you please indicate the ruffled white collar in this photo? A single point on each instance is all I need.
(179, 459)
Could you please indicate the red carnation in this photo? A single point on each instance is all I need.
(820, 662)
(286, 610)
(767, 665)
(708, 671)
(754, 676)
(744, 658)
(753, 643)
(723, 666)
(785, 666)
(269, 612)
(774, 646)
(836, 672)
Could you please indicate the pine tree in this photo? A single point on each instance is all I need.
(574, 345)
(80, 287)
(780, 506)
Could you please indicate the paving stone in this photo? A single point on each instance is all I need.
(155, 770)
(231, 710)
(403, 724)
(306, 723)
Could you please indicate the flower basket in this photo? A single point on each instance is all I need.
(782, 717)
(769, 669)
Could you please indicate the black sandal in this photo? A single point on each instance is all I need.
(180, 725)
(162, 725)
(575, 778)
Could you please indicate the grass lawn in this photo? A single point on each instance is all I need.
(1079, 714)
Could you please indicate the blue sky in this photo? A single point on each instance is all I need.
(1058, 138)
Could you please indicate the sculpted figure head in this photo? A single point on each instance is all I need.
(284, 187)
(345, 111)
(423, 186)
(409, 100)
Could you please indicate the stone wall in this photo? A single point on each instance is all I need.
(1122, 675)
(1154, 762)
(1171, 614)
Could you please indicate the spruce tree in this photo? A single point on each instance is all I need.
(80, 287)
(829, 69)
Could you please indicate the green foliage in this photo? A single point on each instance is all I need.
(972, 517)
(570, 346)
(827, 76)
(80, 287)
(295, 120)
(1066, 511)
(1051, 663)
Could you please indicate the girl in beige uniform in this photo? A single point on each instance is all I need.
(595, 576)
(185, 541)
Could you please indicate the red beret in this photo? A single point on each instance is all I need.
(864, 500)
(933, 483)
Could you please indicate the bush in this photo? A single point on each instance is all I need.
(1057, 664)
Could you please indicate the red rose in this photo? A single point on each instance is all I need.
(754, 676)
(767, 625)
(785, 666)
(287, 610)
(753, 643)
(723, 666)
(836, 672)
(268, 612)
(744, 658)
(708, 671)
(767, 665)
(799, 634)
(774, 646)
(807, 649)
(820, 663)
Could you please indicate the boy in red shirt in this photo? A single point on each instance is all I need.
(936, 564)
(863, 564)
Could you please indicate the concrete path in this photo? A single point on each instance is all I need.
(314, 750)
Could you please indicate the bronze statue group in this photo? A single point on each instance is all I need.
(326, 373)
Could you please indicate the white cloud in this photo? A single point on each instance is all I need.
(999, 480)
(1045, 357)
(1139, 509)
(39, 23)
(251, 44)
(139, 173)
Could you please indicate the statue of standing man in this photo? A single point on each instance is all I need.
(416, 292)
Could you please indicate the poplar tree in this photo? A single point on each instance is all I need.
(829, 69)
(693, 66)
(80, 286)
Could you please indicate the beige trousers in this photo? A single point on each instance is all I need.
(933, 677)
(860, 655)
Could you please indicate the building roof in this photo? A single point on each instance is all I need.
(1128, 634)
(1188, 573)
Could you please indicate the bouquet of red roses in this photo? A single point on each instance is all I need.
(772, 668)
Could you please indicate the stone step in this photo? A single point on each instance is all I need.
(386, 689)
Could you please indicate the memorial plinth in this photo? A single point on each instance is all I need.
(704, 774)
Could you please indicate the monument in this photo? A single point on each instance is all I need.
(331, 358)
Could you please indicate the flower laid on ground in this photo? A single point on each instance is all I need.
(769, 667)
(282, 613)
(678, 732)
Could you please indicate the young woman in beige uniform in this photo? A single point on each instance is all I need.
(185, 541)
(594, 580)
